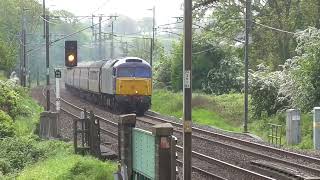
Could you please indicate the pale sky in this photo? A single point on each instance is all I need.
(136, 9)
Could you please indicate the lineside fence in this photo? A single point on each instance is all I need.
(86, 131)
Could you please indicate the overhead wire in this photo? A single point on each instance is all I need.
(66, 36)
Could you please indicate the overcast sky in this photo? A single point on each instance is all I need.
(136, 9)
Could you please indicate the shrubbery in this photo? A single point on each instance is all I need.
(17, 152)
(297, 85)
(215, 70)
(6, 125)
(11, 97)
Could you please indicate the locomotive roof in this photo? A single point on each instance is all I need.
(124, 60)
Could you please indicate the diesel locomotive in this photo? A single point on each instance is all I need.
(123, 85)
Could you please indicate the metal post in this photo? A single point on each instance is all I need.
(38, 83)
(112, 48)
(316, 128)
(57, 94)
(24, 51)
(293, 129)
(44, 16)
(100, 40)
(153, 29)
(246, 62)
(47, 61)
(187, 90)
(151, 51)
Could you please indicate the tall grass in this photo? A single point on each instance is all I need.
(226, 112)
(206, 110)
(69, 166)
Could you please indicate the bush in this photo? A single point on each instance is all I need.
(6, 125)
(270, 91)
(18, 152)
(11, 99)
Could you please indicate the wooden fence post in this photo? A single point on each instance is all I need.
(125, 124)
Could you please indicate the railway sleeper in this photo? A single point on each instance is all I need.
(279, 171)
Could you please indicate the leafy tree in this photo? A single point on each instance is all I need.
(273, 25)
(213, 67)
(306, 74)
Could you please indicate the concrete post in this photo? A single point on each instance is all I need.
(164, 163)
(293, 127)
(316, 128)
(125, 125)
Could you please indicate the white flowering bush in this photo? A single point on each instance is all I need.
(296, 85)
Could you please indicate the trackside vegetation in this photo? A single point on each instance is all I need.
(24, 156)
(226, 112)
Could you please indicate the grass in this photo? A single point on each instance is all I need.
(25, 125)
(226, 112)
(2, 75)
(205, 109)
(69, 166)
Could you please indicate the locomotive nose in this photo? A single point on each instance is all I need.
(134, 86)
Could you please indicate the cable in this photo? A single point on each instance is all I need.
(66, 36)
(102, 5)
(276, 29)
(48, 21)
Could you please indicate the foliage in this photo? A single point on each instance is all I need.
(61, 163)
(162, 72)
(177, 66)
(306, 89)
(225, 77)
(268, 45)
(264, 88)
(11, 99)
(214, 67)
(217, 111)
(18, 152)
(296, 85)
(6, 125)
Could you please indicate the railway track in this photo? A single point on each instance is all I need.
(283, 157)
(245, 174)
(205, 135)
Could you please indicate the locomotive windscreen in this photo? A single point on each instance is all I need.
(134, 72)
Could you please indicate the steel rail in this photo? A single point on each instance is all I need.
(114, 135)
(244, 142)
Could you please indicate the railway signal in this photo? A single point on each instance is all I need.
(71, 58)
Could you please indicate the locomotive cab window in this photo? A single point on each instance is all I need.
(142, 72)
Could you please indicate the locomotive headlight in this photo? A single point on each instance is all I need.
(71, 58)
(136, 92)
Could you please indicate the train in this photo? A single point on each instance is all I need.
(122, 84)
